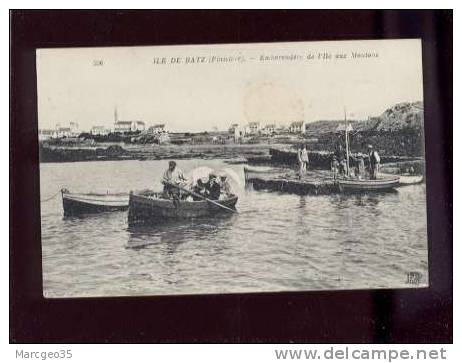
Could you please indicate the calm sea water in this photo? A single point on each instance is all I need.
(277, 242)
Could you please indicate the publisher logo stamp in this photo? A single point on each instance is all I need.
(413, 278)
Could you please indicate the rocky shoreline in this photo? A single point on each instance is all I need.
(263, 154)
(50, 154)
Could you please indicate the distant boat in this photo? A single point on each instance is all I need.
(148, 206)
(410, 179)
(259, 159)
(90, 203)
(253, 172)
(368, 185)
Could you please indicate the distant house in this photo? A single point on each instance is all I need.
(297, 127)
(281, 129)
(233, 128)
(238, 132)
(123, 126)
(269, 129)
(253, 127)
(129, 126)
(74, 128)
(140, 125)
(67, 131)
(157, 129)
(63, 132)
(99, 130)
(46, 134)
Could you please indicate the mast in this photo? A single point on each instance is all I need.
(346, 144)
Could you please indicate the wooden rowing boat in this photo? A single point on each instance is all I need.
(150, 206)
(410, 179)
(368, 185)
(90, 203)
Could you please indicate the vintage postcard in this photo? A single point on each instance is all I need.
(232, 168)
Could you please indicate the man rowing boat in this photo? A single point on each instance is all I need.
(173, 175)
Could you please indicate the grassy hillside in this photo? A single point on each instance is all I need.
(402, 116)
(397, 131)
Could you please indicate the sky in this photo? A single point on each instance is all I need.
(200, 87)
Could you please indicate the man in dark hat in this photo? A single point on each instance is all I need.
(212, 187)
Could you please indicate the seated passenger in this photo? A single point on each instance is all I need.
(212, 188)
(226, 191)
(199, 189)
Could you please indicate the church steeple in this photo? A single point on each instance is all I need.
(116, 118)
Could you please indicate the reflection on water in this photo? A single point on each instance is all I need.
(176, 232)
(277, 241)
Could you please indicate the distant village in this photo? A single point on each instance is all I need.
(72, 130)
(139, 130)
(123, 127)
(400, 126)
(397, 131)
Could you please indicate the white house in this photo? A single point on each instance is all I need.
(269, 129)
(297, 127)
(232, 128)
(123, 126)
(157, 129)
(74, 128)
(46, 134)
(139, 125)
(238, 132)
(63, 132)
(129, 126)
(99, 130)
(253, 127)
(67, 131)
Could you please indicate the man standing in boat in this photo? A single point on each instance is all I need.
(374, 161)
(339, 155)
(173, 175)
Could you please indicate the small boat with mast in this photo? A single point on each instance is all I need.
(350, 184)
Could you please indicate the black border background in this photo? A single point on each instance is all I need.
(365, 316)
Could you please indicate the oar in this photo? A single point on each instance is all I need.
(201, 196)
